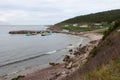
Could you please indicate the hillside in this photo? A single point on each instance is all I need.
(106, 16)
(104, 59)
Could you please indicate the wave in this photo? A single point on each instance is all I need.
(26, 59)
(51, 52)
(69, 47)
(33, 57)
(29, 58)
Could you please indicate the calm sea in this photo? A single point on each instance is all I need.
(20, 51)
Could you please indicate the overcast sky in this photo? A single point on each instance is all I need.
(50, 11)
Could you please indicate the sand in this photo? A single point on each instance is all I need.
(93, 36)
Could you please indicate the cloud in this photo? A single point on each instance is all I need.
(50, 11)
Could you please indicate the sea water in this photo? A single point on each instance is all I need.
(18, 52)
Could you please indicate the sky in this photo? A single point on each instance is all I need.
(47, 12)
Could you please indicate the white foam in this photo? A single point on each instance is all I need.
(51, 52)
(69, 47)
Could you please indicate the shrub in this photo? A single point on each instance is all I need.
(110, 71)
(18, 77)
(94, 51)
(109, 42)
(111, 28)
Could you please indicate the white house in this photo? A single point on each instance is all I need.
(64, 30)
(66, 25)
(84, 26)
(97, 24)
(75, 24)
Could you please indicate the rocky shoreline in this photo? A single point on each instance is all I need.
(58, 71)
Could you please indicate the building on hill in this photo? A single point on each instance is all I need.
(84, 26)
(98, 24)
(66, 25)
(64, 30)
(75, 25)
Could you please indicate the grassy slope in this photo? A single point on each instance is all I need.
(110, 71)
(108, 65)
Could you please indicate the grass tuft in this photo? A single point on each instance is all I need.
(110, 71)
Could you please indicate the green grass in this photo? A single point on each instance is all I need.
(110, 71)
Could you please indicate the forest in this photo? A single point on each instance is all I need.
(106, 16)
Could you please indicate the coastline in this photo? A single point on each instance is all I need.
(92, 35)
(52, 71)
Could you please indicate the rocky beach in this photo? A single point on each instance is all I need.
(58, 71)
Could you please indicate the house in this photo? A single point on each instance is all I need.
(64, 30)
(97, 24)
(101, 26)
(66, 25)
(84, 26)
(75, 25)
(113, 22)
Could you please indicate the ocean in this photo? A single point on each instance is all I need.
(18, 52)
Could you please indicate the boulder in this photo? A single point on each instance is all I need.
(67, 58)
(18, 77)
(69, 66)
(53, 64)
